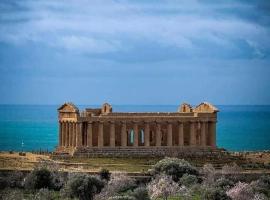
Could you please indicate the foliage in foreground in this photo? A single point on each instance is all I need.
(175, 168)
(39, 178)
(82, 186)
(174, 179)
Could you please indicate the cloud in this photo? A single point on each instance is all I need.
(192, 27)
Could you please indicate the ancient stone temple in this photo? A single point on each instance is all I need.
(100, 131)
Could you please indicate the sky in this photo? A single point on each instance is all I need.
(135, 52)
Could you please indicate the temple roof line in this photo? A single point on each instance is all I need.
(106, 109)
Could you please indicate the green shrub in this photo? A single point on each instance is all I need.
(141, 193)
(224, 183)
(215, 194)
(11, 194)
(44, 194)
(104, 174)
(15, 179)
(174, 167)
(122, 198)
(83, 187)
(39, 178)
(263, 185)
(119, 184)
(188, 180)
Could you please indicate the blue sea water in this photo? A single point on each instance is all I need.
(239, 127)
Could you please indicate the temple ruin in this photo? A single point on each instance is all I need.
(100, 131)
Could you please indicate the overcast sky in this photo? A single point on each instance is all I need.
(134, 52)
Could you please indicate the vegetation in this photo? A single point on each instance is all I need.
(104, 174)
(39, 178)
(175, 168)
(83, 187)
(172, 179)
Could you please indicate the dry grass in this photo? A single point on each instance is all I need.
(29, 161)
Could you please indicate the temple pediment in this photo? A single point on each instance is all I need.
(206, 107)
(68, 107)
(185, 108)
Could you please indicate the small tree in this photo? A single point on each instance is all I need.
(118, 184)
(39, 178)
(163, 186)
(231, 169)
(209, 173)
(174, 167)
(241, 191)
(83, 187)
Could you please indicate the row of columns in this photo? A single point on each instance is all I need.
(70, 134)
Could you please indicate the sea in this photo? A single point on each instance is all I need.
(35, 127)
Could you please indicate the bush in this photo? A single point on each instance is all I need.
(174, 167)
(119, 183)
(141, 193)
(39, 178)
(188, 180)
(209, 173)
(104, 174)
(163, 187)
(15, 179)
(231, 169)
(224, 183)
(11, 194)
(44, 194)
(262, 185)
(83, 187)
(215, 194)
(241, 191)
(121, 198)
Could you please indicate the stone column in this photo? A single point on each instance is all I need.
(100, 134)
(124, 134)
(112, 134)
(203, 135)
(212, 134)
(158, 134)
(60, 134)
(136, 135)
(169, 134)
(70, 133)
(180, 134)
(63, 133)
(74, 134)
(147, 135)
(192, 135)
(89, 134)
(79, 134)
(67, 134)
